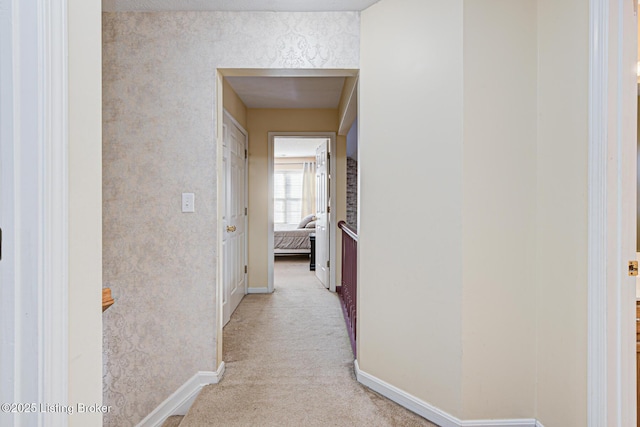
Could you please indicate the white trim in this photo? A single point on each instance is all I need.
(522, 422)
(333, 215)
(182, 399)
(270, 219)
(264, 290)
(244, 132)
(597, 214)
(611, 220)
(35, 303)
(428, 411)
(539, 424)
(8, 265)
(219, 145)
(54, 233)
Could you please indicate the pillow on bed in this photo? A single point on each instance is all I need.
(306, 220)
(312, 224)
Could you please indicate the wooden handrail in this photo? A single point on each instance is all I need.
(351, 232)
(107, 300)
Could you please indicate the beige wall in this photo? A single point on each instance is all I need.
(561, 273)
(410, 160)
(260, 122)
(233, 104)
(159, 126)
(348, 105)
(85, 208)
(499, 209)
(482, 313)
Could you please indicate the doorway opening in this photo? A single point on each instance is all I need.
(301, 195)
(285, 103)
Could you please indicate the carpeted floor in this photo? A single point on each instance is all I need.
(289, 363)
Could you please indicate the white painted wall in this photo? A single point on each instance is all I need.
(476, 111)
(561, 199)
(499, 209)
(410, 229)
(85, 207)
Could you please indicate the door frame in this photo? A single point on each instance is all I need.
(605, 386)
(611, 377)
(37, 236)
(220, 74)
(332, 200)
(244, 132)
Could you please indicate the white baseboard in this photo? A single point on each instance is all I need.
(182, 399)
(430, 412)
(264, 290)
(524, 422)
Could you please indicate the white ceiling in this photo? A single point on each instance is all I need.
(288, 92)
(237, 5)
(296, 147)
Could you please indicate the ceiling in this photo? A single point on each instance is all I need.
(296, 147)
(237, 5)
(288, 92)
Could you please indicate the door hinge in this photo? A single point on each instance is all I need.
(328, 209)
(245, 269)
(245, 211)
(633, 268)
(246, 154)
(328, 263)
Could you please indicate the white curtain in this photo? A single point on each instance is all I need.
(308, 188)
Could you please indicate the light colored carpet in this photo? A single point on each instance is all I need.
(289, 363)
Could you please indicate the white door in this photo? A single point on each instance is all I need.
(322, 213)
(234, 236)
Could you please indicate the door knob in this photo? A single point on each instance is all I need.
(231, 228)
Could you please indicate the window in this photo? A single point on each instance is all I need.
(287, 192)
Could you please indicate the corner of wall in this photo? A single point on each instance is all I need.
(85, 207)
(233, 104)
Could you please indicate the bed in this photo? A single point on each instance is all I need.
(293, 238)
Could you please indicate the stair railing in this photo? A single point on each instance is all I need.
(348, 290)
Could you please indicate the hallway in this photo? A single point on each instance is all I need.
(289, 363)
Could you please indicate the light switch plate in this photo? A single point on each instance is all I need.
(188, 202)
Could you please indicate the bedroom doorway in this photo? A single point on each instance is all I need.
(301, 195)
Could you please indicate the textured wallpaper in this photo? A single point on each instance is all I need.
(158, 133)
